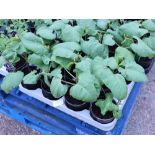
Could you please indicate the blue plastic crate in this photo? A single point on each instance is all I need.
(48, 120)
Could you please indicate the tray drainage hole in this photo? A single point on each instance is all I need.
(27, 121)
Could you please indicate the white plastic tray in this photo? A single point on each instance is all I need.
(59, 104)
(82, 115)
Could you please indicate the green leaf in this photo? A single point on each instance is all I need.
(46, 59)
(10, 56)
(68, 45)
(64, 53)
(108, 40)
(63, 62)
(149, 25)
(107, 105)
(31, 78)
(2, 61)
(56, 72)
(33, 43)
(70, 34)
(87, 25)
(142, 49)
(57, 88)
(103, 23)
(133, 72)
(113, 81)
(110, 62)
(150, 41)
(35, 59)
(84, 65)
(46, 33)
(58, 25)
(85, 89)
(122, 53)
(11, 80)
(132, 29)
(93, 48)
(117, 37)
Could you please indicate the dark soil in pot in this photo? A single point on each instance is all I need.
(20, 64)
(27, 69)
(67, 77)
(75, 104)
(112, 50)
(95, 113)
(105, 89)
(46, 91)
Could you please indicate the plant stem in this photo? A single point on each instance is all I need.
(70, 74)
(68, 82)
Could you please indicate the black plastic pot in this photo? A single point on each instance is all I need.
(27, 69)
(75, 104)
(95, 113)
(128, 82)
(146, 63)
(30, 86)
(46, 91)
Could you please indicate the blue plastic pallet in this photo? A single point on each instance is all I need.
(48, 120)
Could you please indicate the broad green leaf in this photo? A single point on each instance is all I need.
(33, 43)
(3, 42)
(10, 56)
(122, 53)
(57, 88)
(70, 34)
(84, 65)
(56, 72)
(46, 33)
(11, 80)
(117, 37)
(69, 45)
(103, 23)
(127, 42)
(88, 25)
(133, 72)
(64, 53)
(63, 62)
(107, 105)
(115, 82)
(132, 29)
(46, 59)
(108, 40)
(110, 62)
(2, 61)
(142, 49)
(31, 78)
(93, 48)
(150, 41)
(35, 59)
(85, 89)
(57, 25)
(149, 25)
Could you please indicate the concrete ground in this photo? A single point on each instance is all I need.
(142, 119)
